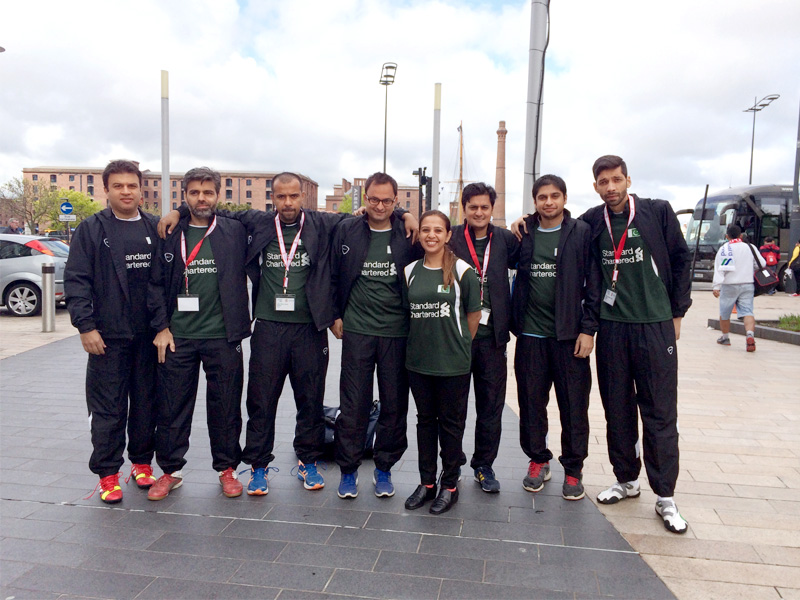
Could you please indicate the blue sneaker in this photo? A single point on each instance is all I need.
(309, 476)
(258, 485)
(348, 486)
(383, 483)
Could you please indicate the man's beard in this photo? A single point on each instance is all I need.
(202, 213)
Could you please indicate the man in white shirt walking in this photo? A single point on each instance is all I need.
(733, 284)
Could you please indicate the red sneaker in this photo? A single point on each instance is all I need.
(231, 486)
(163, 486)
(142, 475)
(110, 492)
(751, 344)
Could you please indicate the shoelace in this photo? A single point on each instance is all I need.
(534, 469)
(146, 470)
(99, 483)
(572, 480)
(266, 471)
(315, 466)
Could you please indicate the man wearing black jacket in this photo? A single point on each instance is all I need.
(490, 251)
(105, 282)
(638, 246)
(368, 256)
(198, 297)
(555, 305)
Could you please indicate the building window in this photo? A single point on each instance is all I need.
(408, 194)
(72, 187)
(249, 204)
(155, 205)
(174, 195)
(228, 182)
(53, 188)
(334, 206)
(52, 178)
(174, 183)
(408, 204)
(36, 178)
(249, 194)
(155, 194)
(90, 179)
(249, 182)
(147, 206)
(146, 182)
(268, 207)
(229, 194)
(174, 206)
(36, 189)
(72, 177)
(269, 195)
(155, 183)
(269, 184)
(147, 194)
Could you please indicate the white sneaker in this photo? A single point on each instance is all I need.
(619, 491)
(673, 521)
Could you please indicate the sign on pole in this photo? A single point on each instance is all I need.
(70, 218)
(66, 208)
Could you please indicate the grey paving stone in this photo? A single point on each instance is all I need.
(311, 578)
(110, 537)
(561, 518)
(29, 529)
(650, 587)
(599, 560)
(205, 545)
(10, 570)
(608, 538)
(246, 507)
(547, 504)
(416, 522)
(100, 515)
(288, 532)
(480, 549)
(459, 590)
(14, 508)
(369, 538)
(82, 582)
(164, 564)
(15, 491)
(484, 512)
(20, 594)
(324, 516)
(367, 501)
(361, 559)
(10, 462)
(427, 565)
(522, 532)
(181, 589)
(174, 522)
(382, 585)
(59, 467)
(561, 578)
(304, 595)
(47, 552)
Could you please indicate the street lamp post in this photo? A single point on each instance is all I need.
(758, 106)
(387, 78)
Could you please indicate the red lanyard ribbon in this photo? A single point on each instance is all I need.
(288, 257)
(193, 255)
(621, 246)
(480, 269)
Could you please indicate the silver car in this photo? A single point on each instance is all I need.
(21, 260)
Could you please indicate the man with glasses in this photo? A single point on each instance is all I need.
(368, 257)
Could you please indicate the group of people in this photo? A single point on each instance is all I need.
(431, 317)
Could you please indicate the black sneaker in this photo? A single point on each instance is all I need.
(485, 476)
(572, 488)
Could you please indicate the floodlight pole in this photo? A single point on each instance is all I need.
(387, 78)
(165, 190)
(758, 106)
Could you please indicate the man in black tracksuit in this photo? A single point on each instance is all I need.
(105, 282)
(555, 304)
(368, 256)
(490, 251)
(198, 297)
(640, 250)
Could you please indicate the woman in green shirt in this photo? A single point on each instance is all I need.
(444, 298)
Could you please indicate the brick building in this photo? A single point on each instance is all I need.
(239, 187)
(407, 196)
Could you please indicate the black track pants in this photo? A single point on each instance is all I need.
(360, 355)
(278, 350)
(542, 363)
(637, 367)
(120, 391)
(489, 375)
(441, 418)
(178, 379)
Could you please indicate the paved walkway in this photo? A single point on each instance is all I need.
(740, 476)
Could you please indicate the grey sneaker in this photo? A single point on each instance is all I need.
(572, 488)
(724, 340)
(538, 473)
(619, 491)
(673, 521)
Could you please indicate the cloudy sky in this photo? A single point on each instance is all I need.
(269, 85)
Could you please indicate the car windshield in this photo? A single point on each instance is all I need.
(720, 212)
(49, 247)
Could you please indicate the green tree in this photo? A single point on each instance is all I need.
(29, 201)
(233, 207)
(82, 207)
(346, 205)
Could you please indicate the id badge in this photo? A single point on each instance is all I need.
(485, 313)
(284, 302)
(610, 297)
(188, 303)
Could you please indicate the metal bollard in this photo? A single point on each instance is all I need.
(48, 297)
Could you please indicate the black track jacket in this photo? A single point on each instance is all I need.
(229, 245)
(578, 281)
(504, 256)
(96, 278)
(661, 231)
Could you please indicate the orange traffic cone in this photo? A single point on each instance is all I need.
(733, 312)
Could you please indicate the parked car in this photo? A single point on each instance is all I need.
(21, 260)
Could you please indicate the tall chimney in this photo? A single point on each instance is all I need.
(499, 212)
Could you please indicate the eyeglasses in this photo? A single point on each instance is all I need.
(384, 201)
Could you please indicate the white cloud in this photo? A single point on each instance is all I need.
(294, 85)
